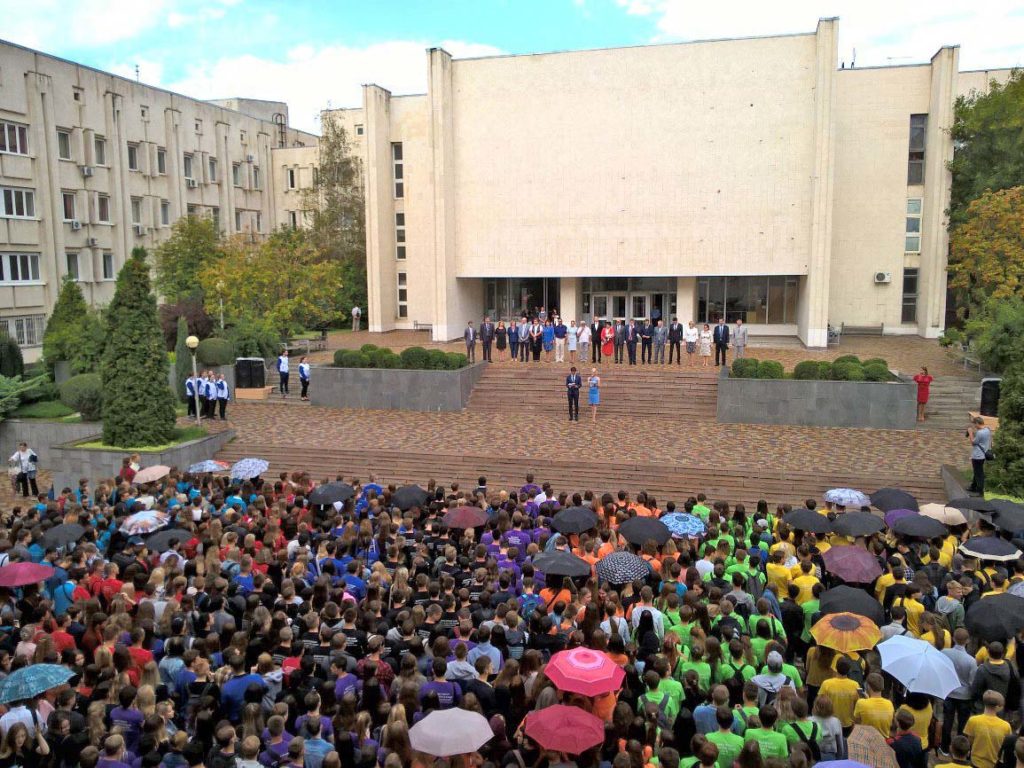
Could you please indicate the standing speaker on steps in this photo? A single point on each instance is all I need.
(250, 373)
(990, 397)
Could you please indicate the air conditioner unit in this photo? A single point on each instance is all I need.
(76, 225)
(87, 171)
(140, 229)
(92, 242)
(883, 277)
(250, 158)
(192, 183)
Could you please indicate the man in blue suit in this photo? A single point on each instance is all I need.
(721, 339)
(632, 336)
(573, 382)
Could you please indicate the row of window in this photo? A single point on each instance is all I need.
(403, 295)
(26, 331)
(71, 258)
(24, 267)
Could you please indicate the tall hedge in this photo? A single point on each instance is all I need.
(138, 406)
(182, 359)
(1008, 440)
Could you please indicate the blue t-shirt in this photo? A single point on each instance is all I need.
(232, 694)
(560, 331)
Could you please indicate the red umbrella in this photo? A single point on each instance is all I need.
(20, 574)
(465, 517)
(584, 671)
(561, 728)
(852, 564)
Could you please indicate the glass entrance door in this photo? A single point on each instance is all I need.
(639, 306)
(599, 305)
(619, 306)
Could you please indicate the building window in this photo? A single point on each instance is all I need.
(14, 138)
(72, 262)
(68, 200)
(752, 299)
(199, 126)
(17, 203)
(291, 178)
(133, 157)
(27, 331)
(100, 145)
(161, 161)
(77, 94)
(215, 216)
(400, 235)
(236, 174)
(64, 145)
(359, 130)
(19, 268)
(212, 165)
(103, 208)
(909, 295)
(136, 210)
(259, 221)
(403, 296)
(165, 213)
(255, 177)
(188, 167)
(915, 160)
(108, 265)
(913, 235)
(293, 219)
(397, 164)
(144, 111)
(238, 221)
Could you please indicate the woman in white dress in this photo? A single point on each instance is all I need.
(705, 344)
(571, 341)
(583, 336)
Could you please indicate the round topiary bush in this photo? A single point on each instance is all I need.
(455, 360)
(847, 359)
(807, 370)
(437, 359)
(214, 351)
(368, 348)
(349, 358)
(847, 371)
(379, 354)
(877, 372)
(874, 361)
(389, 360)
(84, 393)
(824, 370)
(339, 356)
(745, 368)
(770, 369)
(414, 358)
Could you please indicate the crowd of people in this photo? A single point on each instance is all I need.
(264, 624)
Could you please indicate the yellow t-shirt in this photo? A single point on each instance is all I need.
(922, 719)
(986, 733)
(914, 610)
(929, 637)
(806, 584)
(844, 693)
(876, 712)
(779, 576)
(885, 581)
(1011, 651)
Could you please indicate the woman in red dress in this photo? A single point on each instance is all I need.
(924, 382)
(607, 337)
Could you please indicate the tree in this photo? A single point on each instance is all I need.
(62, 329)
(138, 406)
(13, 390)
(987, 249)
(199, 323)
(193, 242)
(996, 332)
(182, 360)
(1008, 440)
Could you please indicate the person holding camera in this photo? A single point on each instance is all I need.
(981, 451)
(26, 462)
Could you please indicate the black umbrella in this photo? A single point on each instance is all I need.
(807, 520)
(638, 530)
(1007, 515)
(622, 568)
(990, 548)
(331, 493)
(561, 563)
(843, 598)
(574, 520)
(161, 540)
(893, 498)
(63, 535)
(857, 524)
(919, 527)
(999, 617)
(977, 503)
(409, 496)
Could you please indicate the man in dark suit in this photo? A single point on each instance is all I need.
(595, 340)
(632, 336)
(573, 382)
(646, 334)
(470, 338)
(486, 337)
(675, 337)
(721, 339)
(620, 340)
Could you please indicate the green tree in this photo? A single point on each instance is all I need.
(63, 328)
(193, 242)
(13, 390)
(138, 406)
(182, 360)
(996, 332)
(1008, 440)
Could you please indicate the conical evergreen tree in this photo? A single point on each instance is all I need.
(138, 406)
(62, 329)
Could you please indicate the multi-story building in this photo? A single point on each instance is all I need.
(749, 178)
(92, 165)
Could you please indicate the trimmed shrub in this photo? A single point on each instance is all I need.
(377, 355)
(214, 351)
(877, 372)
(339, 357)
(824, 370)
(874, 361)
(847, 371)
(437, 359)
(11, 362)
(745, 368)
(807, 370)
(1007, 470)
(770, 369)
(847, 359)
(350, 358)
(389, 360)
(414, 358)
(455, 360)
(84, 393)
(368, 348)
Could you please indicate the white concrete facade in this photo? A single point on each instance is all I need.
(670, 173)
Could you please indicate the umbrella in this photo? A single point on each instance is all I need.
(562, 728)
(807, 520)
(846, 632)
(161, 540)
(622, 568)
(1017, 588)
(585, 671)
(1007, 515)
(897, 514)
(151, 474)
(465, 517)
(998, 617)
(990, 548)
(857, 524)
(893, 498)
(639, 530)
(247, 469)
(681, 524)
(447, 732)
(574, 520)
(853, 564)
(919, 527)
(841, 764)
(844, 599)
(210, 465)
(847, 497)
(331, 493)
(409, 496)
(976, 503)
(919, 666)
(27, 682)
(21, 574)
(561, 563)
(942, 513)
(61, 535)
(144, 522)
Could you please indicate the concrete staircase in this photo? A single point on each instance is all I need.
(950, 400)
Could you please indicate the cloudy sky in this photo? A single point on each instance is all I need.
(312, 54)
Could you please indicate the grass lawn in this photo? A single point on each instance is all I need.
(50, 410)
(181, 435)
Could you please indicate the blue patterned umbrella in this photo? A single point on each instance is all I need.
(28, 682)
(622, 568)
(209, 466)
(682, 524)
(246, 469)
(144, 522)
(847, 497)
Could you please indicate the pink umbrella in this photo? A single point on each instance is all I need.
(564, 729)
(20, 574)
(584, 671)
(151, 474)
(852, 564)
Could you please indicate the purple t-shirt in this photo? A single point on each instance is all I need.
(130, 721)
(448, 693)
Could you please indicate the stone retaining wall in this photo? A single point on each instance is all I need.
(391, 389)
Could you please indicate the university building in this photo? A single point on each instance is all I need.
(750, 178)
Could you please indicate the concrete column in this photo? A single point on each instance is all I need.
(448, 322)
(931, 299)
(226, 196)
(569, 298)
(381, 274)
(686, 299)
(123, 239)
(267, 192)
(49, 203)
(175, 174)
(812, 324)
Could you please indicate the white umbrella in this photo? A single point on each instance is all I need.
(919, 666)
(942, 513)
(151, 474)
(448, 732)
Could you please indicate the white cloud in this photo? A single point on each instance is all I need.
(85, 23)
(150, 72)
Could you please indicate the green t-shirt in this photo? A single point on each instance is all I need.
(656, 697)
(757, 645)
(810, 608)
(727, 669)
(702, 512)
(688, 762)
(807, 727)
(744, 714)
(729, 747)
(674, 689)
(703, 670)
(772, 743)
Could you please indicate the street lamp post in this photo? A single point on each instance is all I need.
(192, 342)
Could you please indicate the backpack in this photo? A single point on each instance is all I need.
(755, 587)
(811, 741)
(516, 643)
(734, 683)
(661, 714)
(769, 699)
